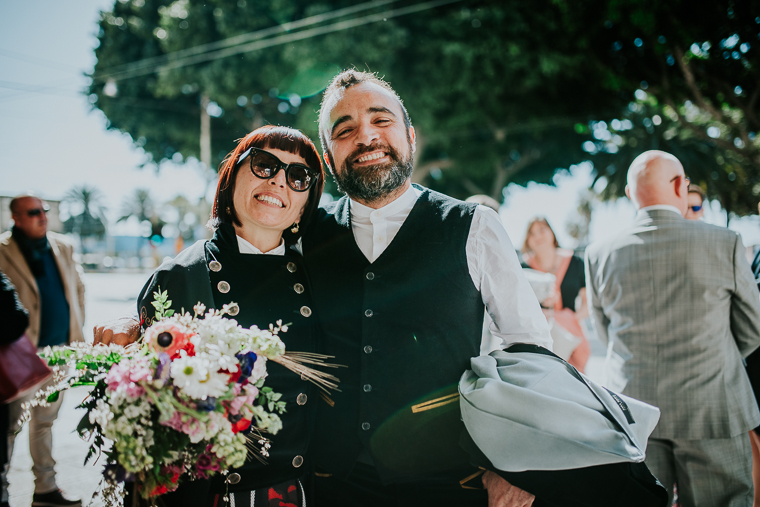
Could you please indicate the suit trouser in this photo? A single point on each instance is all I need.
(710, 472)
(40, 440)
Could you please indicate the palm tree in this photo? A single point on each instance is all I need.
(141, 206)
(90, 221)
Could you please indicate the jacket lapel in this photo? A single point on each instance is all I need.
(16, 258)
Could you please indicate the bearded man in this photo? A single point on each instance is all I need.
(401, 276)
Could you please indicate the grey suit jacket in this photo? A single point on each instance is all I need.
(677, 300)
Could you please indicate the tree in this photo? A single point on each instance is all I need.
(86, 213)
(499, 91)
(141, 206)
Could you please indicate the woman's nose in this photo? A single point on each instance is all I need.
(279, 179)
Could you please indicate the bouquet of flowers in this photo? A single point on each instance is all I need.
(189, 399)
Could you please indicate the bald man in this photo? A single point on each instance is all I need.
(677, 302)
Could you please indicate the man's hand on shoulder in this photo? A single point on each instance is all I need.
(122, 331)
(503, 494)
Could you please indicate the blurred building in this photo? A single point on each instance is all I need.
(54, 222)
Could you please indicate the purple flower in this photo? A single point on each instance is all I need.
(247, 361)
(163, 370)
(206, 405)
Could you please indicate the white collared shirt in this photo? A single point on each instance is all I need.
(665, 207)
(246, 247)
(491, 260)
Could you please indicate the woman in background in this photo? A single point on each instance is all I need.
(541, 252)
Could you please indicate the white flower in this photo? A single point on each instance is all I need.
(259, 370)
(193, 377)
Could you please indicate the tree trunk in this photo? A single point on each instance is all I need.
(205, 132)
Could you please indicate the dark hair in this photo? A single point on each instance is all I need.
(276, 138)
(533, 221)
(347, 79)
(696, 189)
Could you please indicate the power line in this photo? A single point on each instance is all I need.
(275, 41)
(240, 39)
(38, 61)
(28, 88)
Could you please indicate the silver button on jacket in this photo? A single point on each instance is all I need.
(298, 461)
(306, 311)
(223, 287)
(215, 266)
(292, 267)
(301, 399)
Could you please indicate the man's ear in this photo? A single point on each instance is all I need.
(413, 137)
(680, 186)
(327, 160)
(628, 192)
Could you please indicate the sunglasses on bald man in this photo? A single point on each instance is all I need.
(35, 212)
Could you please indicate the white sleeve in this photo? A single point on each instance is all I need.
(495, 270)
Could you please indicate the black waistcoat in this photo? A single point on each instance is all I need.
(406, 326)
(266, 288)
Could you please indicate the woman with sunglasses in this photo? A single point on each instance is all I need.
(269, 188)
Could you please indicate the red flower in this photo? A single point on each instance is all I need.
(241, 425)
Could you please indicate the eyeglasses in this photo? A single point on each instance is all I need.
(674, 178)
(264, 165)
(37, 211)
(695, 209)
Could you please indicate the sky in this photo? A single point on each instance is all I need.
(52, 140)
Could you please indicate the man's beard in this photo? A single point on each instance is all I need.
(372, 183)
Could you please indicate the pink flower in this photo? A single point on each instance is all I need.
(169, 338)
(125, 375)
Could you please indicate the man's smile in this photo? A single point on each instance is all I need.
(370, 157)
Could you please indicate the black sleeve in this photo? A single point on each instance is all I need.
(13, 315)
(573, 282)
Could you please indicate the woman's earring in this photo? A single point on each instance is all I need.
(294, 229)
(228, 211)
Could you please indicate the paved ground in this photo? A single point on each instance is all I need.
(108, 296)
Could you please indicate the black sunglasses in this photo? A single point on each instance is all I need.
(264, 165)
(37, 211)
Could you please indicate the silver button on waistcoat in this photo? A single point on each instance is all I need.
(368, 349)
(370, 276)
(365, 426)
(301, 399)
(368, 313)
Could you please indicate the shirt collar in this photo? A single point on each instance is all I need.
(665, 207)
(247, 248)
(404, 202)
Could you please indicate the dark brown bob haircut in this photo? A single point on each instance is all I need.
(275, 138)
(533, 221)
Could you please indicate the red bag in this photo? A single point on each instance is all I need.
(21, 370)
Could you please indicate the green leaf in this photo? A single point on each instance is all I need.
(52, 398)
